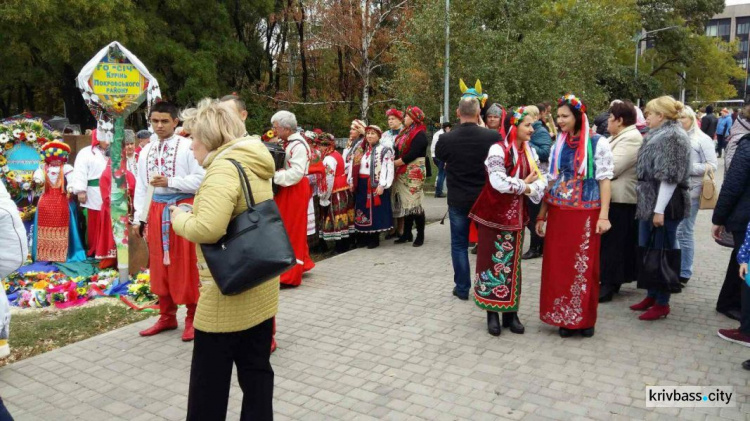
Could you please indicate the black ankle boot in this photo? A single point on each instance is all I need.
(407, 235)
(512, 321)
(419, 221)
(588, 332)
(374, 241)
(493, 323)
(566, 333)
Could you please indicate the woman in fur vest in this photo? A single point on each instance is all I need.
(663, 170)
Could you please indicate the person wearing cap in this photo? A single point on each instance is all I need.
(395, 124)
(144, 138)
(722, 130)
(412, 168)
(89, 165)
(129, 153)
(370, 177)
(495, 117)
(55, 232)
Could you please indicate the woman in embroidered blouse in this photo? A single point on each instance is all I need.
(573, 216)
(501, 214)
(370, 178)
(337, 216)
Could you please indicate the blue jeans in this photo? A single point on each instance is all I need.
(686, 239)
(440, 176)
(459, 219)
(644, 233)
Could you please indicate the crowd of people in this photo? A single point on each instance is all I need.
(595, 198)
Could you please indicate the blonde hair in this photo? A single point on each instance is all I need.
(666, 106)
(688, 112)
(533, 111)
(213, 123)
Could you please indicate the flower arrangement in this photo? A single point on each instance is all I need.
(21, 185)
(44, 289)
(573, 101)
(140, 289)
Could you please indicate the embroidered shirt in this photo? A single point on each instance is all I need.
(296, 162)
(171, 158)
(89, 165)
(505, 183)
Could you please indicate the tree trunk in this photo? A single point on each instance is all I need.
(340, 62)
(29, 91)
(303, 58)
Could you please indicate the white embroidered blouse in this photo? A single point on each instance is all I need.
(505, 183)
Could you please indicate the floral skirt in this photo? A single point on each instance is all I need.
(372, 213)
(338, 217)
(408, 191)
(497, 283)
(570, 270)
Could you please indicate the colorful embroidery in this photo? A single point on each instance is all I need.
(498, 288)
(168, 157)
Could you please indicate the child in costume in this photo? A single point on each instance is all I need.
(55, 233)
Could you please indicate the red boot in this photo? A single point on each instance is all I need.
(656, 312)
(189, 333)
(167, 319)
(644, 305)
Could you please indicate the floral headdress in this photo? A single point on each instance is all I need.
(416, 114)
(584, 154)
(395, 113)
(518, 116)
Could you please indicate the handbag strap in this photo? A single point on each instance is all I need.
(652, 237)
(245, 183)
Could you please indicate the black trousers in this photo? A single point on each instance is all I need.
(214, 354)
(537, 242)
(619, 246)
(730, 296)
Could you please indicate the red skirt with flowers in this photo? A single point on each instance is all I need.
(497, 283)
(570, 269)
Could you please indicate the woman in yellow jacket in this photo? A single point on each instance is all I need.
(228, 329)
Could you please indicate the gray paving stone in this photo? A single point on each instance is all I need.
(392, 343)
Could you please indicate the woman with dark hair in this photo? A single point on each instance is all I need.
(663, 171)
(501, 213)
(618, 252)
(412, 168)
(576, 213)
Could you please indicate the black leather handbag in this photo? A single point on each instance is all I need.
(255, 248)
(660, 267)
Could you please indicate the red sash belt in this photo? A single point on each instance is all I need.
(371, 194)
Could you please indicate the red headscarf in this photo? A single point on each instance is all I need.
(94, 138)
(396, 113)
(407, 135)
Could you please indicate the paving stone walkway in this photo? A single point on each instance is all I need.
(378, 335)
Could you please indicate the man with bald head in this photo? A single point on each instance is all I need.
(463, 150)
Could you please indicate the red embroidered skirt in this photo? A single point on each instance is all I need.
(180, 279)
(570, 270)
(292, 202)
(53, 219)
(105, 245)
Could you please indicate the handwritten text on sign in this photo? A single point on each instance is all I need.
(117, 79)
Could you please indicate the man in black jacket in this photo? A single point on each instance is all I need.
(709, 122)
(463, 151)
(732, 214)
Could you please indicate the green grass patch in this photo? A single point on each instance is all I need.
(41, 331)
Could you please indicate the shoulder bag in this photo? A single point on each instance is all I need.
(709, 196)
(255, 248)
(660, 267)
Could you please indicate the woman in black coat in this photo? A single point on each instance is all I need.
(732, 213)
